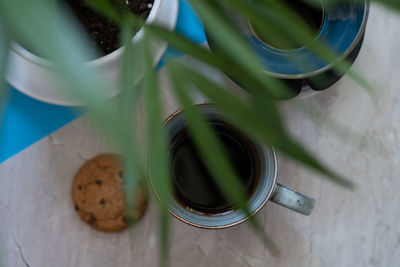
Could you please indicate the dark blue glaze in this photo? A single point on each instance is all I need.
(342, 29)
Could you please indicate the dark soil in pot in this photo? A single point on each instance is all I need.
(103, 33)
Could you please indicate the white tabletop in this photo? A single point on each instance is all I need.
(39, 226)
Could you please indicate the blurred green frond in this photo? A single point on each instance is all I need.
(249, 79)
(264, 126)
(270, 15)
(4, 45)
(106, 8)
(236, 50)
(159, 164)
(47, 29)
(126, 107)
(390, 3)
(341, 131)
(214, 154)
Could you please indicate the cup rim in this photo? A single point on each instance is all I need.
(100, 61)
(262, 148)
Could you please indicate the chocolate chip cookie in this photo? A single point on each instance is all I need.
(99, 197)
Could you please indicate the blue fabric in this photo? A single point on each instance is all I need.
(26, 120)
(190, 26)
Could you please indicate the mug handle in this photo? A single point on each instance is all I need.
(293, 200)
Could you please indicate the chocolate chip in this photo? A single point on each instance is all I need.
(92, 219)
(79, 187)
(98, 182)
(76, 208)
(124, 219)
(102, 201)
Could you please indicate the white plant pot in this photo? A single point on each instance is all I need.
(31, 75)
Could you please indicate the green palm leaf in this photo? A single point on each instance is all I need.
(214, 155)
(263, 125)
(159, 168)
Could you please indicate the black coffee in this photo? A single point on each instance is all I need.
(193, 183)
(312, 15)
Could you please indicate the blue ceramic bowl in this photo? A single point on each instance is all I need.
(342, 29)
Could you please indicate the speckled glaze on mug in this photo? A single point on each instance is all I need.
(266, 189)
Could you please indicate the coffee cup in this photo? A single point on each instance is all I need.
(197, 200)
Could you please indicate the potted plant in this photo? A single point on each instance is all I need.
(31, 74)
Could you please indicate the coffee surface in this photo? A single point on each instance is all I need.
(193, 183)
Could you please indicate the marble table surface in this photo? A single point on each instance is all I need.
(40, 228)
